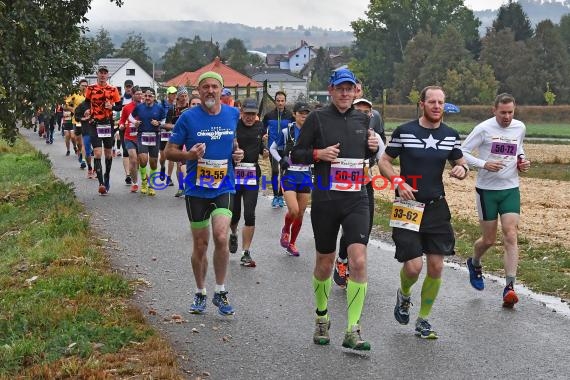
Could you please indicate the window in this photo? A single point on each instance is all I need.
(297, 55)
(130, 72)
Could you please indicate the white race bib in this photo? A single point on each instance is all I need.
(347, 174)
(165, 135)
(245, 174)
(104, 131)
(148, 138)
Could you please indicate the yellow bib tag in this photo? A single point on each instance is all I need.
(211, 173)
(407, 214)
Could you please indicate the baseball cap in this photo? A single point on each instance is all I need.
(211, 74)
(102, 68)
(301, 107)
(129, 82)
(171, 90)
(226, 92)
(249, 105)
(362, 100)
(342, 75)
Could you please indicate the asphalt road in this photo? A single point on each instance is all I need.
(270, 336)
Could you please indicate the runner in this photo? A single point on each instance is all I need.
(130, 140)
(420, 215)
(296, 179)
(249, 134)
(208, 131)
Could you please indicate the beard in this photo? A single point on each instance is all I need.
(431, 119)
(209, 103)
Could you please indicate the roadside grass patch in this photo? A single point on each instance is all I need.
(63, 311)
(555, 170)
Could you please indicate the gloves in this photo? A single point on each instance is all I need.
(284, 163)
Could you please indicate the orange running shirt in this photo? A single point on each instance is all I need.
(98, 95)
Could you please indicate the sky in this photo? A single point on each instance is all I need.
(335, 14)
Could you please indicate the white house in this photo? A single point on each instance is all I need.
(298, 58)
(121, 69)
(283, 81)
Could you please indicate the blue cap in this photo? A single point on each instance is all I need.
(342, 75)
(226, 92)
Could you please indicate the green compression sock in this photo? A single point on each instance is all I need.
(430, 288)
(322, 290)
(142, 171)
(406, 283)
(355, 296)
(152, 176)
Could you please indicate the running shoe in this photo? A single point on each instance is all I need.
(151, 192)
(134, 188)
(284, 240)
(475, 275)
(340, 274)
(67, 154)
(281, 202)
(402, 308)
(292, 250)
(233, 243)
(275, 202)
(119, 154)
(353, 340)
(221, 301)
(83, 164)
(246, 260)
(424, 330)
(102, 190)
(162, 176)
(107, 181)
(144, 186)
(510, 298)
(79, 157)
(128, 180)
(169, 181)
(322, 326)
(179, 193)
(199, 304)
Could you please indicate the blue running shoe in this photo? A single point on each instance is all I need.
(221, 301)
(107, 182)
(402, 308)
(199, 304)
(275, 202)
(475, 275)
(281, 202)
(424, 330)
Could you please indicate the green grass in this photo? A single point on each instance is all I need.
(554, 171)
(542, 267)
(58, 296)
(533, 129)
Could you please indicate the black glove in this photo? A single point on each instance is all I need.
(284, 163)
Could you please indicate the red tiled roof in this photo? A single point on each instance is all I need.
(231, 77)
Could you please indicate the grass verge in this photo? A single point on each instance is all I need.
(544, 268)
(63, 311)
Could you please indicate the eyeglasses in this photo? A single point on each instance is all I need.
(149, 95)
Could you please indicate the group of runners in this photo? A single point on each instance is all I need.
(324, 156)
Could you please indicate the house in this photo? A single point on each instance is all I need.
(241, 85)
(121, 69)
(295, 60)
(282, 80)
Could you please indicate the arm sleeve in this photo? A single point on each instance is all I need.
(302, 152)
(471, 143)
(273, 151)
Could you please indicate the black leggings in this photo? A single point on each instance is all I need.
(342, 247)
(249, 197)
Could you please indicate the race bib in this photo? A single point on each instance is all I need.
(407, 214)
(245, 174)
(148, 138)
(210, 173)
(503, 149)
(104, 131)
(299, 168)
(132, 130)
(347, 174)
(165, 135)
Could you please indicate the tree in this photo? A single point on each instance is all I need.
(381, 37)
(101, 45)
(321, 71)
(134, 47)
(235, 55)
(43, 49)
(188, 55)
(470, 82)
(512, 16)
(564, 29)
(498, 50)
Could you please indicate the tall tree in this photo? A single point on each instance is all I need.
(235, 54)
(498, 51)
(382, 36)
(43, 49)
(512, 15)
(470, 82)
(134, 47)
(564, 29)
(322, 70)
(188, 55)
(102, 45)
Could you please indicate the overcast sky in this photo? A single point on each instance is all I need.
(325, 14)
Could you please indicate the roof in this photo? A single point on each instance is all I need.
(113, 64)
(273, 59)
(232, 78)
(303, 44)
(277, 77)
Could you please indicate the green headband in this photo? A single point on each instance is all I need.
(213, 75)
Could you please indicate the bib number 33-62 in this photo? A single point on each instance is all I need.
(407, 214)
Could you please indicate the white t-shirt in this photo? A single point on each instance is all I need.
(495, 143)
